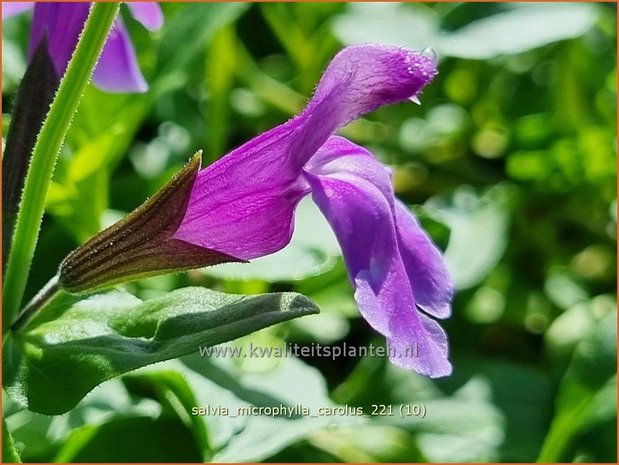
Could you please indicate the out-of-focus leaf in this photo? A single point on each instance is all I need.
(172, 389)
(513, 29)
(527, 412)
(234, 436)
(312, 251)
(78, 197)
(370, 443)
(9, 453)
(134, 439)
(587, 395)
(41, 436)
(411, 26)
(77, 343)
(478, 232)
(333, 293)
(197, 21)
(465, 426)
(522, 28)
(13, 63)
(572, 326)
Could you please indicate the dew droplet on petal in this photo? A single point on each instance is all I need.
(430, 53)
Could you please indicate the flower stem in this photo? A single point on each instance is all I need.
(45, 154)
(47, 292)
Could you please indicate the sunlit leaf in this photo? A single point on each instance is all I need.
(76, 344)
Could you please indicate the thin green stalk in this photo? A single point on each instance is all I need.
(561, 433)
(45, 154)
(38, 301)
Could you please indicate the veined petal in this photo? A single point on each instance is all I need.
(14, 8)
(117, 69)
(147, 13)
(350, 189)
(237, 201)
(62, 23)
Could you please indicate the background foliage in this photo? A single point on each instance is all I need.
(510, 162)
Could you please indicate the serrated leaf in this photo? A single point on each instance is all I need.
(75, 344)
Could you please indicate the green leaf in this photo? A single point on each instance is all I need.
(465, 426)
(470, 217)
(196, 21)
(520, 29)
(9, 453)
(587, 395)
(144, 439)
(371, 443)
(78, 197)
(75, 344)
(171, 389)
(237, 437)
(512, 29)
(40, 437)
(412, 26)
(527, 412)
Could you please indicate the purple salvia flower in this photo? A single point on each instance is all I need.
(117, 69)
(242, 206)
(392, 263)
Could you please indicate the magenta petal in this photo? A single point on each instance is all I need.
(415, 341)
(352, 190)
(363, 77)
(117, 69)
(14, 8)
(62, 23)
(427, 273)
(242, 205)
(147, 13)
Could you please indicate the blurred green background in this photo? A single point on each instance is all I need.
(510, 163)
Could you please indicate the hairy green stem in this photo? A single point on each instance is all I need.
(46, 152)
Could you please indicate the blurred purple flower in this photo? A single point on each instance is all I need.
(243, 204)
(62, 23)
